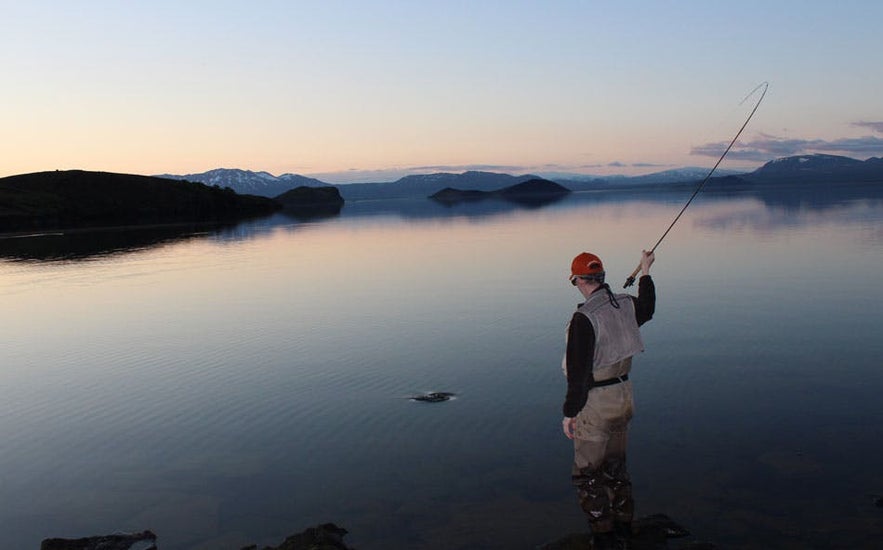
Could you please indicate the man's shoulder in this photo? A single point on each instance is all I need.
(580, 320)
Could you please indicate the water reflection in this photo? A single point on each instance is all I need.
(312, 212)
(527, 201)
(815, 196)
(254, 380)
(82, 244)
(743, 215)
(772, 207)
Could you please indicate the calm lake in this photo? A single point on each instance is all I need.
(235, 386)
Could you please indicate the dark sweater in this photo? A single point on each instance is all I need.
(581, 346)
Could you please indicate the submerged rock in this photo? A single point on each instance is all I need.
(327, 536)
(117, 541)
(648, 533)
(433, 397)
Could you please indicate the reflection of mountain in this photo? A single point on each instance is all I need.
(789, 197)
(797, 194)
(780, 205)
(797, 180)
(817, 181)
(798, 190)
(422, 208)
(91, 243)
(862, 215)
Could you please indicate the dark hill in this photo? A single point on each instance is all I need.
(534, 187)
(311, 202)
(81, 198)
(449, 194)
(533, 191)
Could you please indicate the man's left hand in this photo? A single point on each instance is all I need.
(568, 425)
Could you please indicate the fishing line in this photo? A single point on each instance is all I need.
(765, 85)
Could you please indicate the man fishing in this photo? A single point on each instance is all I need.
(602, 337)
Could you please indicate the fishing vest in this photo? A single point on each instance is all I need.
(617, 337)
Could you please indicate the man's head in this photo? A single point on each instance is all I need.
(587, 267)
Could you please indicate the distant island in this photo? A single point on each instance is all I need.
(311, 202)
(532, 191)
(75, 198)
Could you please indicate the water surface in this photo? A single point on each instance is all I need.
(235, 385)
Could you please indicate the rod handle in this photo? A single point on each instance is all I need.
(631, 280)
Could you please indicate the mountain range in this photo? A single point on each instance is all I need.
(76, 197)
(246, 182)
(805, 168)
(818, 168)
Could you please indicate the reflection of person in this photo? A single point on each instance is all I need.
(602, 337)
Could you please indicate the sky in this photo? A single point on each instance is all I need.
(354, 91)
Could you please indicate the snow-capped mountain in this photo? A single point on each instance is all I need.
(246, 182)
(832, 168)
(807, 163)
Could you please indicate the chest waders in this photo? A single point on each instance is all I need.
(599, 469)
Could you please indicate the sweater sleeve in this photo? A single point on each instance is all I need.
(580, 351)
(645, 303)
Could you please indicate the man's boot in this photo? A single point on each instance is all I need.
(623, 529)
(622, 504)
(595, 501)
(605, 541)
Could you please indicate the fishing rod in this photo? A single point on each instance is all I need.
(631, 279)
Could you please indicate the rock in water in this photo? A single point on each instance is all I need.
(433, 397)
(648, 533)
(327, 536)
(118, 541)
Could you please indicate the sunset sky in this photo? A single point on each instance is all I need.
(374, 90)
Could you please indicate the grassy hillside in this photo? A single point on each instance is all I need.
(80, 198)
